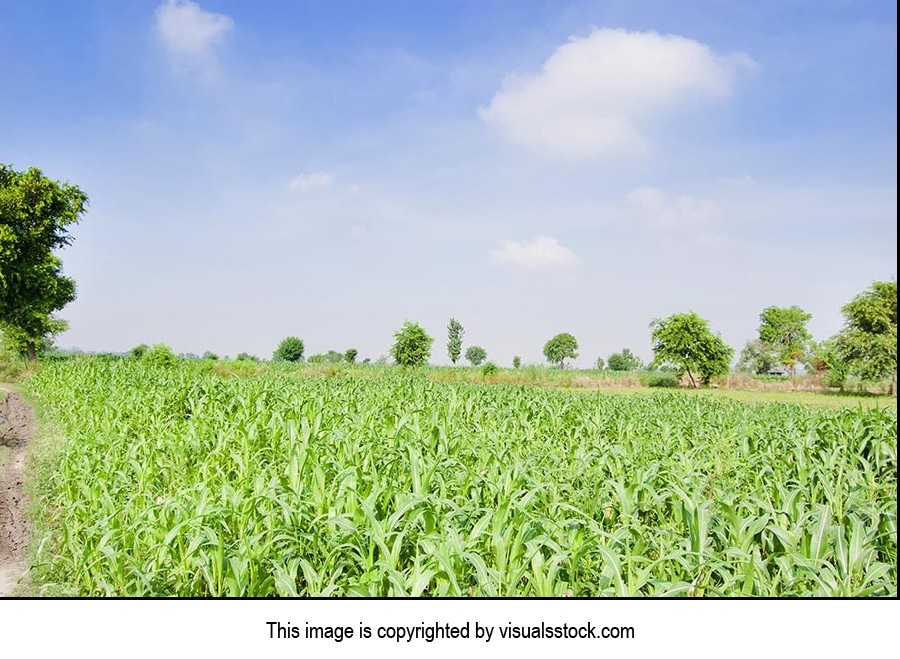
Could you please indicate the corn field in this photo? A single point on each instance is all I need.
(175, 481)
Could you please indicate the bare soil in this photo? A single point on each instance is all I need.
(16, 422)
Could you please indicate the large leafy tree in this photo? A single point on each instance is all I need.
(412, 345)
(868, 341)
(784, 329)
(476, 355)
(289, 350)
(686, 341)
(35, 213)
(757, 357)
(560, 348)
(455, 334)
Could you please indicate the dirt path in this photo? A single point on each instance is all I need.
(16, 421)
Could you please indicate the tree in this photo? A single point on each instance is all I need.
(868, 340)
(476, 355)
(560, 348)
(412, 345)
(757, 357)
(35, 213)
(33, 344)
(517, 362)
(686, 341)
(350, 355)
(246, 357)
(139, 350)
(825, 359)
(600, 364)
(159, 355)
(624, 361)
(210, 355)
(289, 350)
(784, 329)
(455, 333)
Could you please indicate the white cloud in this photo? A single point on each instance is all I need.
(314, 181)
(653, 208)
(542, 253)
(594, 93)
(191, 35)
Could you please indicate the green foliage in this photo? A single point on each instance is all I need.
(455, 333)
(412, 345)
(159, 355)
(826, 360)
(659, 379)
(624, 361)
(476, 355)
(210, 355)
(35, 213)
(868, 341)
(12, 364)
(330, 357)
(246, 357)
(560, 348)
(289, 350)
(517, 362)
(350, 355)
(139, 350)
(490, 368)
(600, 364)
(757, 357)
(784, 330)
(189, 484)
(33, 344)
(686, 341)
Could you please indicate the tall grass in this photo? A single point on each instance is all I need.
(178, 481)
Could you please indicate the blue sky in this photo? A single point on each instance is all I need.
(331, 169)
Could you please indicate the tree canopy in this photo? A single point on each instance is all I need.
(455, 333)
(624, 361)
(784, 329)
(868, 341)
(412, 345)
(289, 350)
(560, 348)
(35, 213)
(476, 355)
(686, 341)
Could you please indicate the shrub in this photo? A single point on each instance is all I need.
(489, 369)
(159, 355)
(138, 351)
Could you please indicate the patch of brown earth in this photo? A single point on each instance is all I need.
(16, 421)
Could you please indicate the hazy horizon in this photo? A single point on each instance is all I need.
(330, 170)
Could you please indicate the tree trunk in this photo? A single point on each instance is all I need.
(31, 352)
(691, 378)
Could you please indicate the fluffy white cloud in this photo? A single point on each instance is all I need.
(314, 181)
(542, 253)
(190, 34)
(653, 208)
(593, 93)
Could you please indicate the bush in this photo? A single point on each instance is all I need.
(138, 351)
(159, 355)
(489, 369)
(660, 379)
(12, 365)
